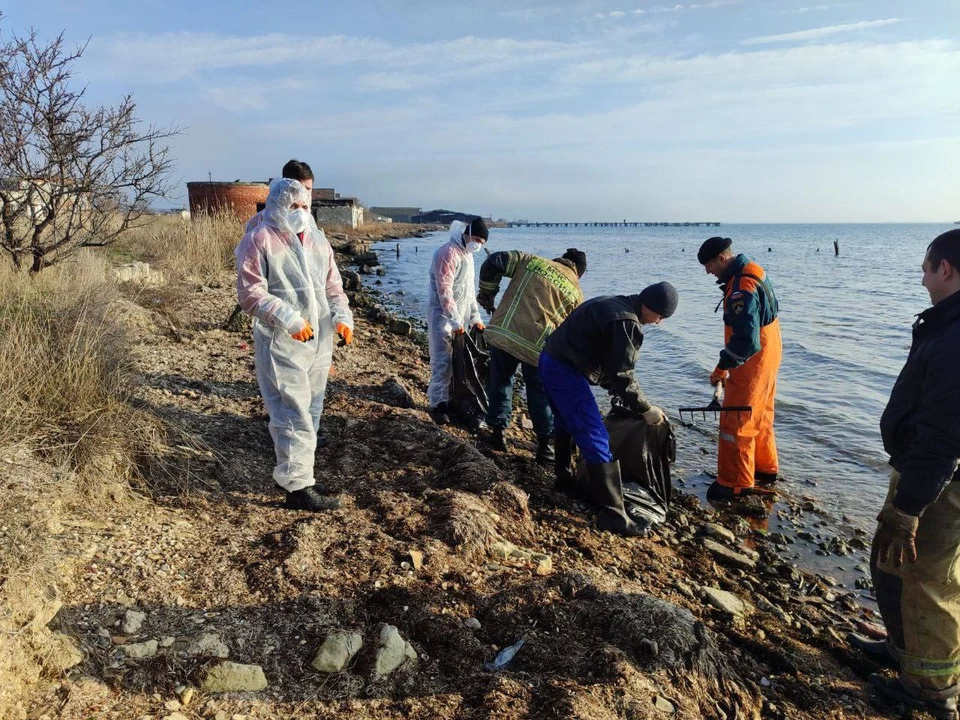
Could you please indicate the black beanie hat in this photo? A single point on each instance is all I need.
(578, 258)
(711, 248)
(660, 297)
(478, 228)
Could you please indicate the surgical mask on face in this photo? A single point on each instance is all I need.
(473, 247)
(297, 219)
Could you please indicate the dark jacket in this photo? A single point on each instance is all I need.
(749, 304)
(921, 423)
(601, 339)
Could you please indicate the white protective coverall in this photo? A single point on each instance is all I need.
(282, 281)
(451, 305)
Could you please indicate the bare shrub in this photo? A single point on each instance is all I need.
(71, 175)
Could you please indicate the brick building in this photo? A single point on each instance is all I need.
(239, 198)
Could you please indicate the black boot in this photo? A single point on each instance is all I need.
(309, 499)
(876, 650)
(441, 414)
(545, 453)
(765, 479)
(562, 462)
(607, 493)
(942, 708)
(497, 441)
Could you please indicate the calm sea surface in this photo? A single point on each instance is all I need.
(846, 329)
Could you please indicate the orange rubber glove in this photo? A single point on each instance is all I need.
(480, 326)
(345, 332)
(305, 334)
(719, 376)
(459, 331)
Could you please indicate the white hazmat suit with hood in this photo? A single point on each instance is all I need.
(285, 279)
(451, 306)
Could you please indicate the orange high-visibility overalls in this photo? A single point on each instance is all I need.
(752, 353)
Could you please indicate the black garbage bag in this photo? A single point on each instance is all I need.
(471, 367)
(645, 453)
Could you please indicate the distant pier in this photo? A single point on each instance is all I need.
(615, 224)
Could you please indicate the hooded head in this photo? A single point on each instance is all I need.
(288, 206)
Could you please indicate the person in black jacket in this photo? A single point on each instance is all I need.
(598, 344)
(915, 559)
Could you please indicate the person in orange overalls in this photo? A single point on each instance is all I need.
(747, 454)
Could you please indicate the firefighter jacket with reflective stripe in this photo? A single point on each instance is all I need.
(601, 339)
(921, 424)
(540, 295)
(749, 304)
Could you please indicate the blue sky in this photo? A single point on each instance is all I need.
(735, 110)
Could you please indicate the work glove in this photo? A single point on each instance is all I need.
(456, 328)
(485, 300)
(654, 416)
(305, 333)
(480, 326)
(719, 376)
(345, 333)
(897, 535)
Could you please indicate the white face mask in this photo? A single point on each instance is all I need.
(298, 220)
(473, 247)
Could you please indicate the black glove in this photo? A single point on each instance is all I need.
(485, 301)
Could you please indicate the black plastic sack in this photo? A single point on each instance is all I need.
(471, 366)
(645, 453)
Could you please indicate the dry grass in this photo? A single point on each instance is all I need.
(70, 439)
(198, 249)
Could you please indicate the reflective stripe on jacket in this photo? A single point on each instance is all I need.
(540, 295)
(749, 304)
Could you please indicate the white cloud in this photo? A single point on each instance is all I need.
(531, 14)
(821, 32)
(813, 8)
(617, 14)
(172, 57)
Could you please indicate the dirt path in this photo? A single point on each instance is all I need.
(220, 569)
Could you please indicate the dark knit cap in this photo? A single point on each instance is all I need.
(578, 258)
(711, 248)
(661, 297)
(478, 228)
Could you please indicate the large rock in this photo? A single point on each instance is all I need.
(209, 644)
(401, 327)
(234, 677)
(369, 259)
(394, 393)
(141, 650)
(138, 272)
(133, 621)
(719, 531)
(728, 556)
(393, 652)
(337, 651)
(60, 653)
(726, 601)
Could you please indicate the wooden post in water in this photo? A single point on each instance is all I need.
(836, 248)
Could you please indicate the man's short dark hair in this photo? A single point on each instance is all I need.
(297, 170)
(945, 247)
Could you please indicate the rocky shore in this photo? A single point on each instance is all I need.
(453, 582)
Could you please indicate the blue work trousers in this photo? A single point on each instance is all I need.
(503, 367)
(575, 409)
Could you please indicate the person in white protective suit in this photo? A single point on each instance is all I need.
(293, 168)
(451, 308)
(288, 281)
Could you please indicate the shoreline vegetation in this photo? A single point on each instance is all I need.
(147, 564)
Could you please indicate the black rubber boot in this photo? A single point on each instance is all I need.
(892, 689)
(562, 465)
(716, 491)
(440, 414)
(876, 650)
(312, 501)
(765, 479)
(606, 490)
(545, 453)
(497, 441)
